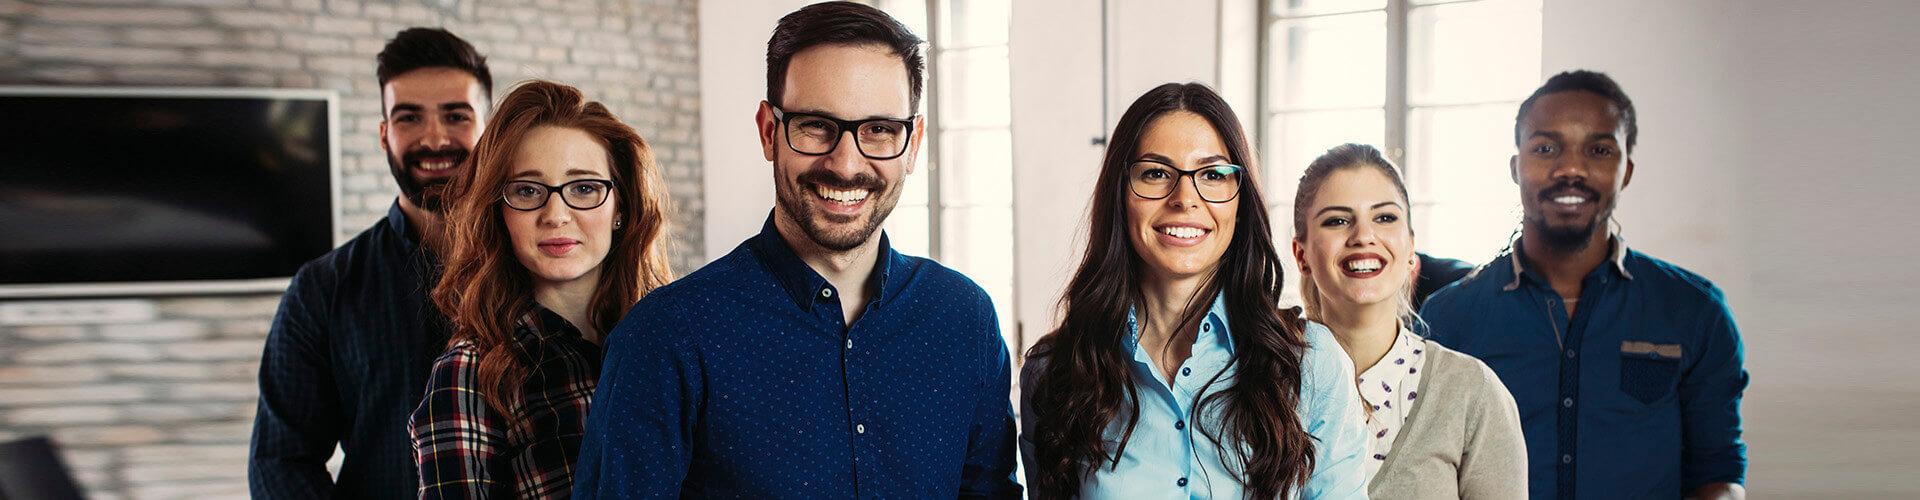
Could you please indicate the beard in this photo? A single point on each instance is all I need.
(819, 226)
(1574, 236)
(428, 194)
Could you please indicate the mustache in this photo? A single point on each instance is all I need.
(831, 181)
(1564, 186)
(414, 157)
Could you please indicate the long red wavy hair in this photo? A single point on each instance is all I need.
(484, 288)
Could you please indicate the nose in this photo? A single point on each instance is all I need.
(555, 213)
(1363, 235)
(1568, 167)
(1184, 194)
(845, 159)
(436, 136)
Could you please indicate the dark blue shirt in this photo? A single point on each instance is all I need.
(742, 380)
(1636, 395)
(346, 361)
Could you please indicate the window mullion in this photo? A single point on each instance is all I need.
(935, 248)
(1396, 98)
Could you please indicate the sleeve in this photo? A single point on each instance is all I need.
(458, 438)
(1493, 464)
(1029, 372)
(297, 423)
(1710, 393)
(640, 429)
(989, 469)
(1335, 422)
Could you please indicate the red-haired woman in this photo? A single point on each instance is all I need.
(556, 232)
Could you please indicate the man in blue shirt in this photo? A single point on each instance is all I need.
(813, 361)
(1627, 369)
(349, 351)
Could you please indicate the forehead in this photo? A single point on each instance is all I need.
(1356, 187)
(552, 151)
(1573, 110)
(1181, 135)
(434, 86)
(849, 81)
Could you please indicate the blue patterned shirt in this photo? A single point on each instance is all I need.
(742, 380)
(1636, 395)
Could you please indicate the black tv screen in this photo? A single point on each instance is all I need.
(134, 191)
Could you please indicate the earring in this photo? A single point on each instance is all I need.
(616, 223)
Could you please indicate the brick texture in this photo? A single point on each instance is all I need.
(164, 408)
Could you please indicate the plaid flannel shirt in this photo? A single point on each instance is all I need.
(466, 449)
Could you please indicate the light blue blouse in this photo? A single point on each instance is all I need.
(1167, 458)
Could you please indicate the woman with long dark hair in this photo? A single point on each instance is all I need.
(1175, 372)
(557, 230)
(1440, 424)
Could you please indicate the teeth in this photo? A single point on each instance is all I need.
(1183, 232)
(1570, 200)
(436, 165)
(1364, 265)
(848, 196)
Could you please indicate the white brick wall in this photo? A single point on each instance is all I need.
(163, 409)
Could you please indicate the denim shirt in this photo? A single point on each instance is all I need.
(1635, 395)
(1167, 458)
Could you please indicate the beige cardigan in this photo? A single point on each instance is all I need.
(1461, 441)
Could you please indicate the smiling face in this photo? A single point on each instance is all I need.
(839, 199)
(1358, 246)
(559, 244)
(1180, 236)
(433, 118)
(1571, 167)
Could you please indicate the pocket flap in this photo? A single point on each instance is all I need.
(1643, 348)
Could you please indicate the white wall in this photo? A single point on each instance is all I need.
(733, 76)
(1775, 159)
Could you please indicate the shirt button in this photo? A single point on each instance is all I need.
(1181, 483)
(1568, 402)
(849, 343)
(1186, 371)
(1206, 327)
(860, 428)
(1570, 353)
(826, 293)
(1179, 425)
(1566, 459)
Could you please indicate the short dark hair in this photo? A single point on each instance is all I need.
(415, 48)
(1581, 80)
(841, 23)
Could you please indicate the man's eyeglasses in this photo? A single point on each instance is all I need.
(1155, 180)
(813, 134)
(583, 194)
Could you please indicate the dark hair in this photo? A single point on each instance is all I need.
(1581, 80)
(484, 288)
(841, 23)
(1088, 379)
(1345, 157)
(415, 48)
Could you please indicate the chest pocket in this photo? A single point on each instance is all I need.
(1648, 370)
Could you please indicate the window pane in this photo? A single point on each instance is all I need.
(977, 168)
(976, 22)
(1329, 62)
(1301, 137)
(978, 242)
(912, 13)
(1313, 7)
(1457, 160)
(1473, 52)
(973, 85)
(907, 229)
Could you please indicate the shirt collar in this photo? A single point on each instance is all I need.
(1213, 331)
(802, 283)
(540, 322)
(397, 222)
(1618, 259)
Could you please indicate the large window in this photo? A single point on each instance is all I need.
(958, 207)
(1433, 83)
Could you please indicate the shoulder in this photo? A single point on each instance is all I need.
(1464, 375)
(1672, 281)
(461, 356)
(1325, 365)
(931, 275)
(1483, 279)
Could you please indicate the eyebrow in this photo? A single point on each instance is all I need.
(1203, 161)
(448, 106)
(1375, 206)
(536, 173)
(822, 112)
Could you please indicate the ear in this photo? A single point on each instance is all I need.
(1627, 178)
(1300, 259)
(768, 126)
(913, 144)
(383, 136)
(1513, 169)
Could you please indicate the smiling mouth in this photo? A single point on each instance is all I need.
(1364, 265)
(845, 197)
(1182, 232)
(1569, 199)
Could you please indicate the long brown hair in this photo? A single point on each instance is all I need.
(484, 288)
(1341, 158)
(1089, 381)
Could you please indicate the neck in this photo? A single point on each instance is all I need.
(850, 271)
(1566, 268)
(571, 300)
(1365, 331)
(425, 226)
(1163, 300)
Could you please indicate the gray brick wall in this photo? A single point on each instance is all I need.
(163, 409)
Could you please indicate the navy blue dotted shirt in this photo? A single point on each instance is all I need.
(743, 380)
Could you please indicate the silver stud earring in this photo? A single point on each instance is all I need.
(616, 223)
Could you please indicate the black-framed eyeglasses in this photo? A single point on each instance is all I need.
(814, 134)
(1153, 180)
(583, 194)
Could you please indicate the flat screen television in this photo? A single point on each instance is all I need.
(144, 191)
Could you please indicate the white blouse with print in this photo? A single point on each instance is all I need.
(1389, 389)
